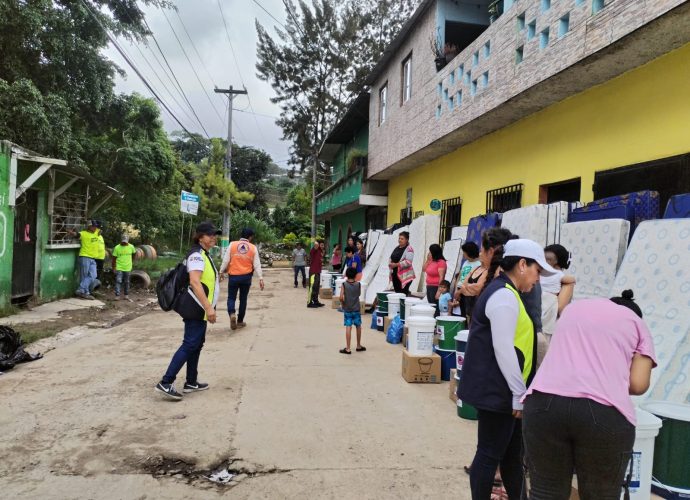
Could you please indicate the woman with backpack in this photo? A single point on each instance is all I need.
(197, 306)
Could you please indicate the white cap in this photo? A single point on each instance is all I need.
(529, 249)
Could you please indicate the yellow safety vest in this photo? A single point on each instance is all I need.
(524, 335)
(89, 244)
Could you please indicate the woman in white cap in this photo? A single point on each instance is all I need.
(499, 365)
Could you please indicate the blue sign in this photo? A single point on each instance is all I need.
(189, 203)
(435, 205)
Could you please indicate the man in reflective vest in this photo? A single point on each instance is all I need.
(88, 253)
(240, 262)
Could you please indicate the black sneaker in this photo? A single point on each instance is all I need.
(311, 306)
(198, 386)
(169, 391)
(320, 304)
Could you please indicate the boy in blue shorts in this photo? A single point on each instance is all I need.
(349, 298)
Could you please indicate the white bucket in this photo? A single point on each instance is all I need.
(338, 285)
(462, 336)
(326, 280)
(423, 310)
(420, 335)
(646, 430)
(394, 304)
(409, 302)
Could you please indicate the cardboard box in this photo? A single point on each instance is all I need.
(335, 302)
(404, 339)
(386, 323)
(453, 386)
(421, 369)
(326, 293)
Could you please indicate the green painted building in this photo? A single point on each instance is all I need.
(40, 200)
(351, 203)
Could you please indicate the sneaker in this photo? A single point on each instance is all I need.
(312, 306)
(117, 297)
(88, 296)
(241, 324)
(169, 391)
(196, 387)
(233, 322)
(320, 304)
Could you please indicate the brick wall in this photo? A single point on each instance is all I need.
(416, 124)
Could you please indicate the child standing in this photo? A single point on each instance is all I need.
(349, 298)
(445, 299)
(352, 260)
(470, 256)
(122, 264)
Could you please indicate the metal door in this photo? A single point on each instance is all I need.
(24, 257)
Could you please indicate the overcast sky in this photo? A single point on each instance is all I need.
(203, 20)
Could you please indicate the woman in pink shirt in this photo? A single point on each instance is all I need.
(578, 414)
(435, 268)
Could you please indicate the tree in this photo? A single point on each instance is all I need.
(217, 193)
(249, 167)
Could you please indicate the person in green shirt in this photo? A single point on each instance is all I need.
(122, 265)
(88, 254)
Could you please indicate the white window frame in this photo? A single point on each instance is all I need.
(383, 103)
(407, 79)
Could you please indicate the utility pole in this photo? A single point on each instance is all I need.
(313, 197)
(225, 238)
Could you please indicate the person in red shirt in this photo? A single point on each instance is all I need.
(315, 268)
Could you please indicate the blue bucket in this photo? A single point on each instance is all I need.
(447, 362)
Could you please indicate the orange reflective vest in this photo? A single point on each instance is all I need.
(241, 258)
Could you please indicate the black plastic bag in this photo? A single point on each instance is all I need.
(12, 349)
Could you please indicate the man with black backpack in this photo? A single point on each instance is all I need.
(196, 303)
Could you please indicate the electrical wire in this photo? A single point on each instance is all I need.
(271, 15)
(136, 70)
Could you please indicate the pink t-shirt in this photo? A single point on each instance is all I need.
(432, 277)
(591, 353)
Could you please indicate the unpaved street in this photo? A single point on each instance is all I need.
(292, 416)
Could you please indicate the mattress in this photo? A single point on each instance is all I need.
(453, 254)
(597, 248)
(528, 222)
(418, 242)
(380, 281)
(375, 254)
(480, 224)
(678, 207)
(459, 233)
(600, 213)
(657, 268)
(644, 205)
(557, 215)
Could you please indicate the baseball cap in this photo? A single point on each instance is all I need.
(95, 223)
(124, 239)
(208, 229)
(529, 249)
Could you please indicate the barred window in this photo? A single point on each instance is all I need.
(504, 199)
(69, 213)
(450, 217)
(406, 216)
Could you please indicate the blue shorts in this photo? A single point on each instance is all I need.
(353, 318)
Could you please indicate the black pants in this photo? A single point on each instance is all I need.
(397, 285)
(499, 444)
(242, 284)
(188, 352)
(566, 434)
(314, 285)
(431, 296)
(300, 269)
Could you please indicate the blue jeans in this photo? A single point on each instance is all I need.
(188, 352)
(87, 275)
(300, 269)
(122, 277)
(241, 284)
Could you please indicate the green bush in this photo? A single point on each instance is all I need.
(263, 233)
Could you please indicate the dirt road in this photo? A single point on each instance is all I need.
(290, 415)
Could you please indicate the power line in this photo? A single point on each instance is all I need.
(179, 42)
(257, 114)
(272, 16)
(136, 70)
(175, 77)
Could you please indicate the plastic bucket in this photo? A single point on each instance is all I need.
(460, 348)
(420, 335)
(447, 327)
(326, 280)
(447, 361)
(402, 308)
(383, 300)
(423, 310)
(643, 454)
(409, 302)
(671, 457)
(394, 303)
(465, 410)
(338, 285)
(380, 318)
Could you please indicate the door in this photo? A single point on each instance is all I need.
(24, 256)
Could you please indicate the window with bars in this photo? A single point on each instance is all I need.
(69, 214)
(406, 216)
(451, 211)
(504, 199)
(418, 213)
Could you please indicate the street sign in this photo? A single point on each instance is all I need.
(189, 203)
(435, 205)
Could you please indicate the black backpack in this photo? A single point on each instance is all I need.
(171, 285)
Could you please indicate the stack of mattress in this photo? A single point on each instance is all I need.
(480, 224)
(657, 269)
(418, 241)
(597, 249)
(453, 254)
(678, 207)
(528, 222)
(459, 233)
(557, 216)
(377, 279)
(641, 206)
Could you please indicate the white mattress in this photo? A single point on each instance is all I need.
(381, 279)
(557, 215)
(418, 242)
(459, 233)
(453, 254)
(597, 249)
(528, 222)
(656, 268)
(372, 263)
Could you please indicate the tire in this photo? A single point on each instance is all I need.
(140, 279)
